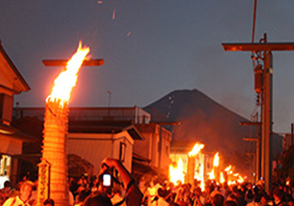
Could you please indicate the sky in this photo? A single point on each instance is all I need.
(151, 48)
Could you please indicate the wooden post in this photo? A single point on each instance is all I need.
(266, 92)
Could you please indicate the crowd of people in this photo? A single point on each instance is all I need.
(158, 193)
(116, 191)
(125, 191)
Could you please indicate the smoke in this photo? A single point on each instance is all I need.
(218, 129)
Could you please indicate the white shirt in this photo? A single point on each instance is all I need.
(15, 201)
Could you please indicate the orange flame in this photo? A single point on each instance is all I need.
(228, 168)
(66, 80)
(240, 179)
(222, 178)
(196, 149)
(232, 182)
(211, 175)
(176, 173)
(216, 160)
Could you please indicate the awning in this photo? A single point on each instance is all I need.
(11, 132)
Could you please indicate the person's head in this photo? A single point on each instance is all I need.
(98, 200)
(291, 202)
(7, 184)
(232, 197)
(197, 191)
(83, 195)
(230, 203)
(277, 194)
(48, 202)
(26, 190)
(218, 200)
(263, 200)
(249, 195)
(162, 192)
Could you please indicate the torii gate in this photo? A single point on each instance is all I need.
(266, 96)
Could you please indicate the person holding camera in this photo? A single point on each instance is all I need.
(133, 195)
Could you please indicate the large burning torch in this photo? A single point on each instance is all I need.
(55, 133)
(192, 162)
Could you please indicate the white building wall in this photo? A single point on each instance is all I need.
(143, 148)
(96, 147)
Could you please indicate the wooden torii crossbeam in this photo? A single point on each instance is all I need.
(266, 48)
(62, 62)
(255, 47)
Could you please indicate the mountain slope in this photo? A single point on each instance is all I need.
(206, 121)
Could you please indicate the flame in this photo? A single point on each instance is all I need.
(227, 169)
(66, 80)
(236, 174)
(233, 178)
(211, 175)
(216, 160)
(222, 178)
(196, 149)
(240, 179)
(176, 172)
(232, 182)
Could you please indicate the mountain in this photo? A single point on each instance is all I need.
(206, 121)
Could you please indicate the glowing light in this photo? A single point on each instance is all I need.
(66, 80)
(211, 175)
(176, 172)
(236, 174)
(227, 169)
(240, 179)
(196, 149)
(232, 182)
(216, 160)
(222, 178)
(113, 14)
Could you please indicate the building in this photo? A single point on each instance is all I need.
(125, 133)
(154, 151)
(194, 167)
(11, 139)
(96, 140)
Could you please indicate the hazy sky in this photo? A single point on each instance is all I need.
(151, 48)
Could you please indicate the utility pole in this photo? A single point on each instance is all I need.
(264, 51)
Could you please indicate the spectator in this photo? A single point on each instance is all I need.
(5, 192)
(278, 197)
(21, 199)
(48, 202)
(218, 200)
(133, 195)
(230, 203)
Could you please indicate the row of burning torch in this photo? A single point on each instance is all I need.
(196, 169)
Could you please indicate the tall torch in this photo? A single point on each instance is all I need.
(56, 129)
(192, 162)
(216, 167)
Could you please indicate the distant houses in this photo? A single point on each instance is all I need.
(125, 133)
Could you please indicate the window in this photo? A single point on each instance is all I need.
(122, 151)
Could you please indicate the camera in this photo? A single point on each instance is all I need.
(106, 180)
